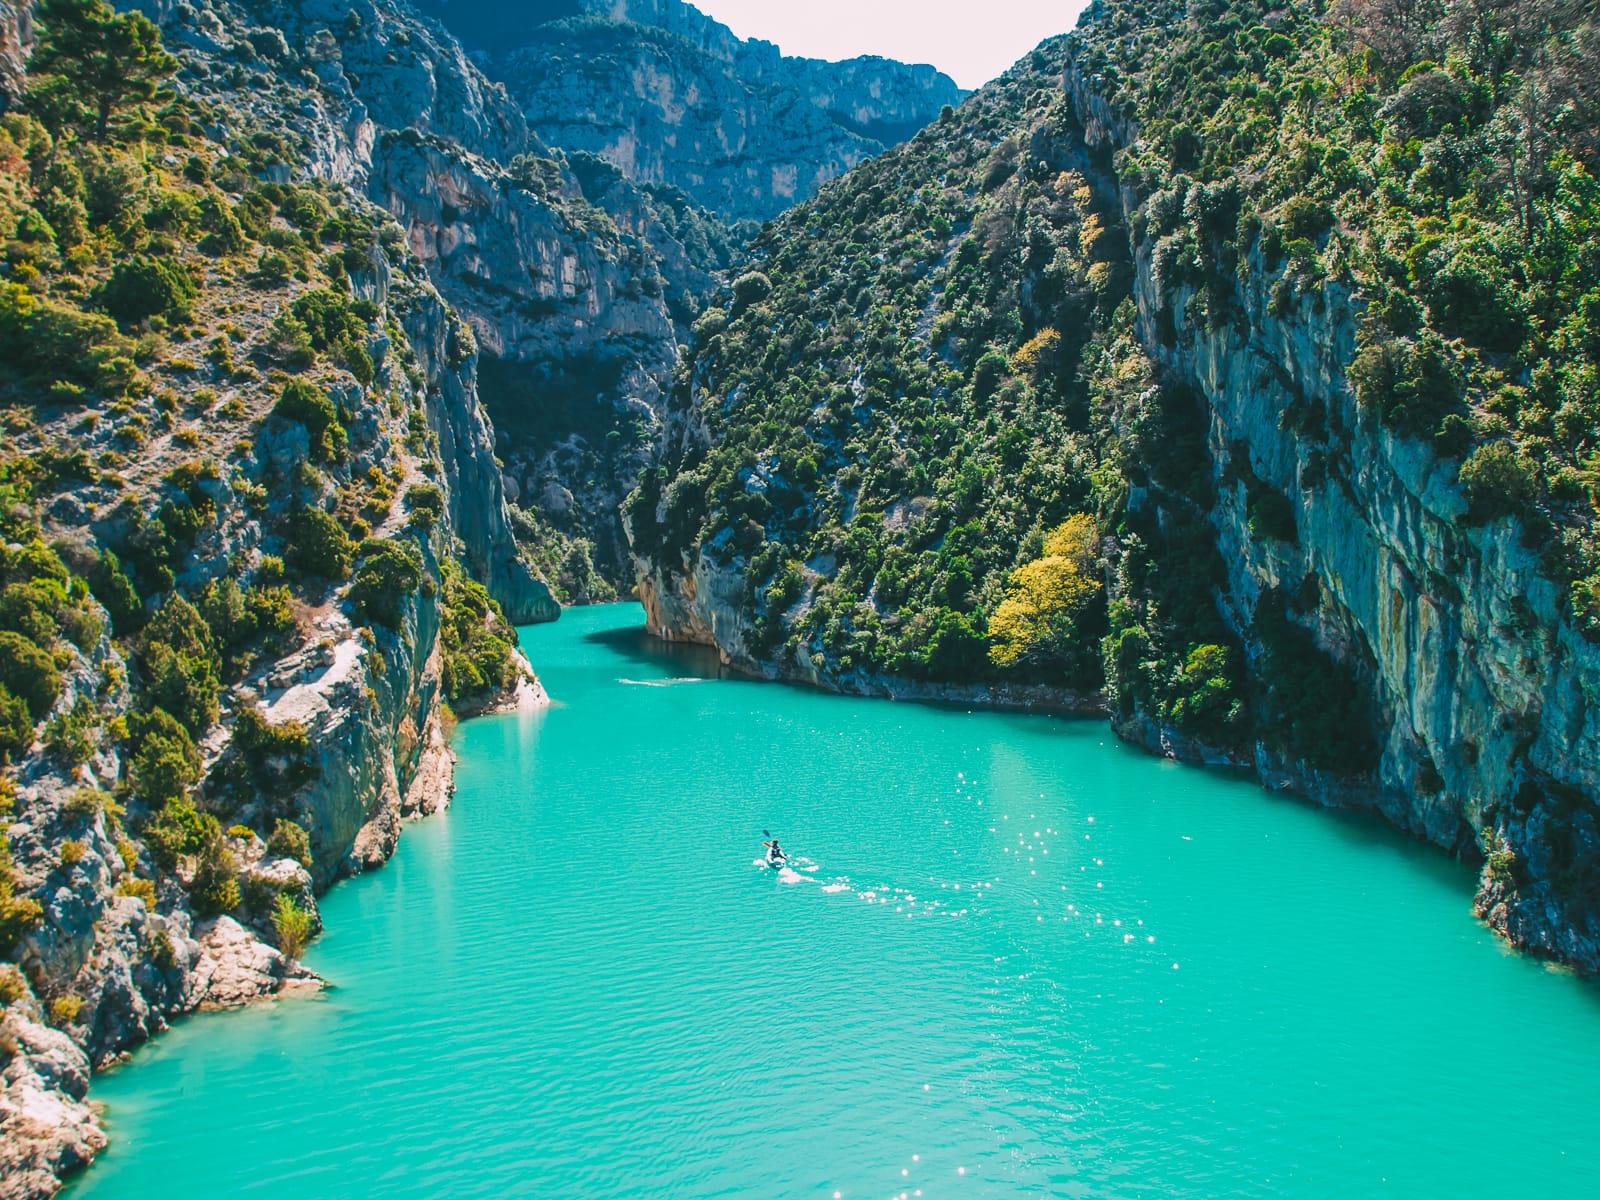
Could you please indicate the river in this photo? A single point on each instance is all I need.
(1018, 959)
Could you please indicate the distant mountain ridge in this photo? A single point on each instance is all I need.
(672, 96)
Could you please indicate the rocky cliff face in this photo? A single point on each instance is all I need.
(16, 36)
(1489, 730)
(310, 721)
(575, 288)
(1308, 565)
(673, 97)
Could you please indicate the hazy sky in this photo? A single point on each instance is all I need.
(970, 40)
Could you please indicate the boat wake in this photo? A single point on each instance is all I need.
(796, 870)
(662, 682)
(902, 900)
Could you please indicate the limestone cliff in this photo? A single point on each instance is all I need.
(572, 281)
(673, 97)
(247, 596)
(1292, 582)
(1486, 689)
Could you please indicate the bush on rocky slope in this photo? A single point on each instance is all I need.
(198, 454)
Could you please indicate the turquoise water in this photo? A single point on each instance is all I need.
(1028, 962)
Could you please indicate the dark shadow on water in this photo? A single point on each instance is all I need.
(637, 645)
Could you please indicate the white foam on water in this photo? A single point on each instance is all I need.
(662, 682)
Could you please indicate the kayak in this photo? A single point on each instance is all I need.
(777, 860)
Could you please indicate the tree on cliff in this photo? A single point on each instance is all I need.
(1046, 598)
(92, 62)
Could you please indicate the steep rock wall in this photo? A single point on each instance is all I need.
(1487, 692)
(1482, 694)
(674, 97)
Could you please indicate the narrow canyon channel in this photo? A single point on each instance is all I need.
(1016, 959)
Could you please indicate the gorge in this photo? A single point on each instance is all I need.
(1226, 370)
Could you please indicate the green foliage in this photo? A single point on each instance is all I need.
(389, 571)
(182, 671)
(1499, 482)
(28, 673)
(164, 761)
(113, 588)
(178, 830)
(318, 545)
(18, 914)
(479, 645)
(50, 341)
(290, 840)
(292, 923)
(245, 623)
(425, 503)
(311, 406)
(1205, 700)
(143, 286)
(16, 726)
(71, 735)
(92, 63)
(1314, 708)
(1410, 386)
(279, 756)
(215, 886)
(897, 399)
(328, 317)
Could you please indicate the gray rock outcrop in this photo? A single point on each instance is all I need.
(672, 96)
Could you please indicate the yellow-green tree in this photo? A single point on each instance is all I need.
(1045, 599)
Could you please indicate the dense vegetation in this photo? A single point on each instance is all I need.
(196, 459)
(935, 369)
(1437, 159)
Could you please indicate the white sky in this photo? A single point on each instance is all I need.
(972, 41)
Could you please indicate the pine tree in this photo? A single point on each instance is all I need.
(106, 60)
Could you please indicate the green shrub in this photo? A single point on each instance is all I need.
(292, 925)
(290, 840)
(70, 736)
(327, 316)
(13, 986)
(425, 502)
(164, 761)
(16, 726)
(182, 673)
(751, 288)
(279, 756)
(28, 673)
(52, 342)
(178, 830)
(390, 570)
(1499, 482)
(143, 889)
(479, 646)
(18, 914)
(215, 889)
(311, 406)
(319, 545)
(142, 287)
(64, 1010)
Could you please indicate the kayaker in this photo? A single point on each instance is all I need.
(774, 850)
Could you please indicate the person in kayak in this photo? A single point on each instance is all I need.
(774, 850)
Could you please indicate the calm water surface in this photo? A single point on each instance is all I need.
(1026, 962)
